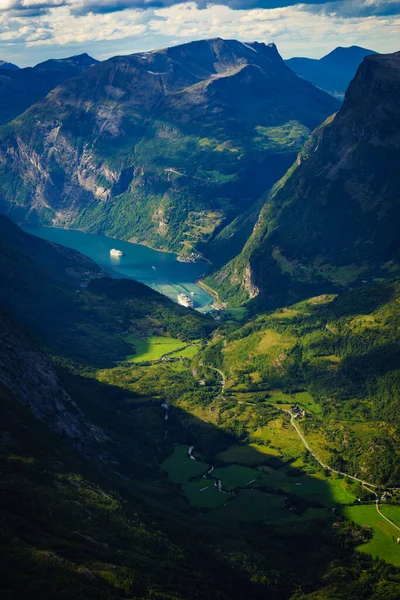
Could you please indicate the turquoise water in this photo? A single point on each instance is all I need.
(159, 270)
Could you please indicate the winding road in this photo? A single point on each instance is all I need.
(223, 381)
(365, 484)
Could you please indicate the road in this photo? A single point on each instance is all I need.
(223, 381)
(383, 516)
(364, 483)
(323, 465)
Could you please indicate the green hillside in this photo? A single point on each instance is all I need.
(336, 357)
(331, 221)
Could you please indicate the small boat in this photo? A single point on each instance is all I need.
(185, 301)
(116, 253)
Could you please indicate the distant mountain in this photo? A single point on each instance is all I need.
(332, 72)
(164, 147)
(20, 88)
(333, 220)
(72, 64)
(8, 66)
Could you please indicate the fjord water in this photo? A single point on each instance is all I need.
(159, 270)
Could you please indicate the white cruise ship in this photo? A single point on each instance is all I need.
(185, 301)
(115, 253)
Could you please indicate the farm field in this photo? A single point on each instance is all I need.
(152, 348)
(280, 438)
(392, 512)
(303, 399)
(383, 543)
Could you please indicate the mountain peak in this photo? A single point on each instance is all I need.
(77, 62)
(334, 71)
(346, 57)
(8, 65)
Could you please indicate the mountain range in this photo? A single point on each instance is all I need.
(166, 147)
(332, 72)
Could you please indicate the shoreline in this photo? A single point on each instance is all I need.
(219, 305)
(202, 286)
(129, 241)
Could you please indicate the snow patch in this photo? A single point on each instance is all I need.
(249, 47)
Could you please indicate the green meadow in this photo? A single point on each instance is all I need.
(383, 543)
(152, 348)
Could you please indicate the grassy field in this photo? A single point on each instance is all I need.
(252, 506)
(182, 470)
(280, 438)
(303, 399)
(180, 467)
(311, 487)
(249, 455)
(235, 476)
(188, 352)
(383, 543)
(152, 348)
(392, 512)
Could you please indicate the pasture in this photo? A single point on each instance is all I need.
(152, 348)
(383, 543)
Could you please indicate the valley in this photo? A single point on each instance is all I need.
(149, 451)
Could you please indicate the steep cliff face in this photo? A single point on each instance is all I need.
(333, 219)
(27, 376)
(166, 147)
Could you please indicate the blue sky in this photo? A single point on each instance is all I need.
(34, 30)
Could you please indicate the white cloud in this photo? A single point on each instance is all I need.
(63, 30)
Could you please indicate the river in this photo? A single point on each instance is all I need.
(159, 270)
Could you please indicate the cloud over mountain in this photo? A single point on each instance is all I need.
(104, 28)
(344, 8)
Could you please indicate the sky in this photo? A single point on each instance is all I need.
(34, 30)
